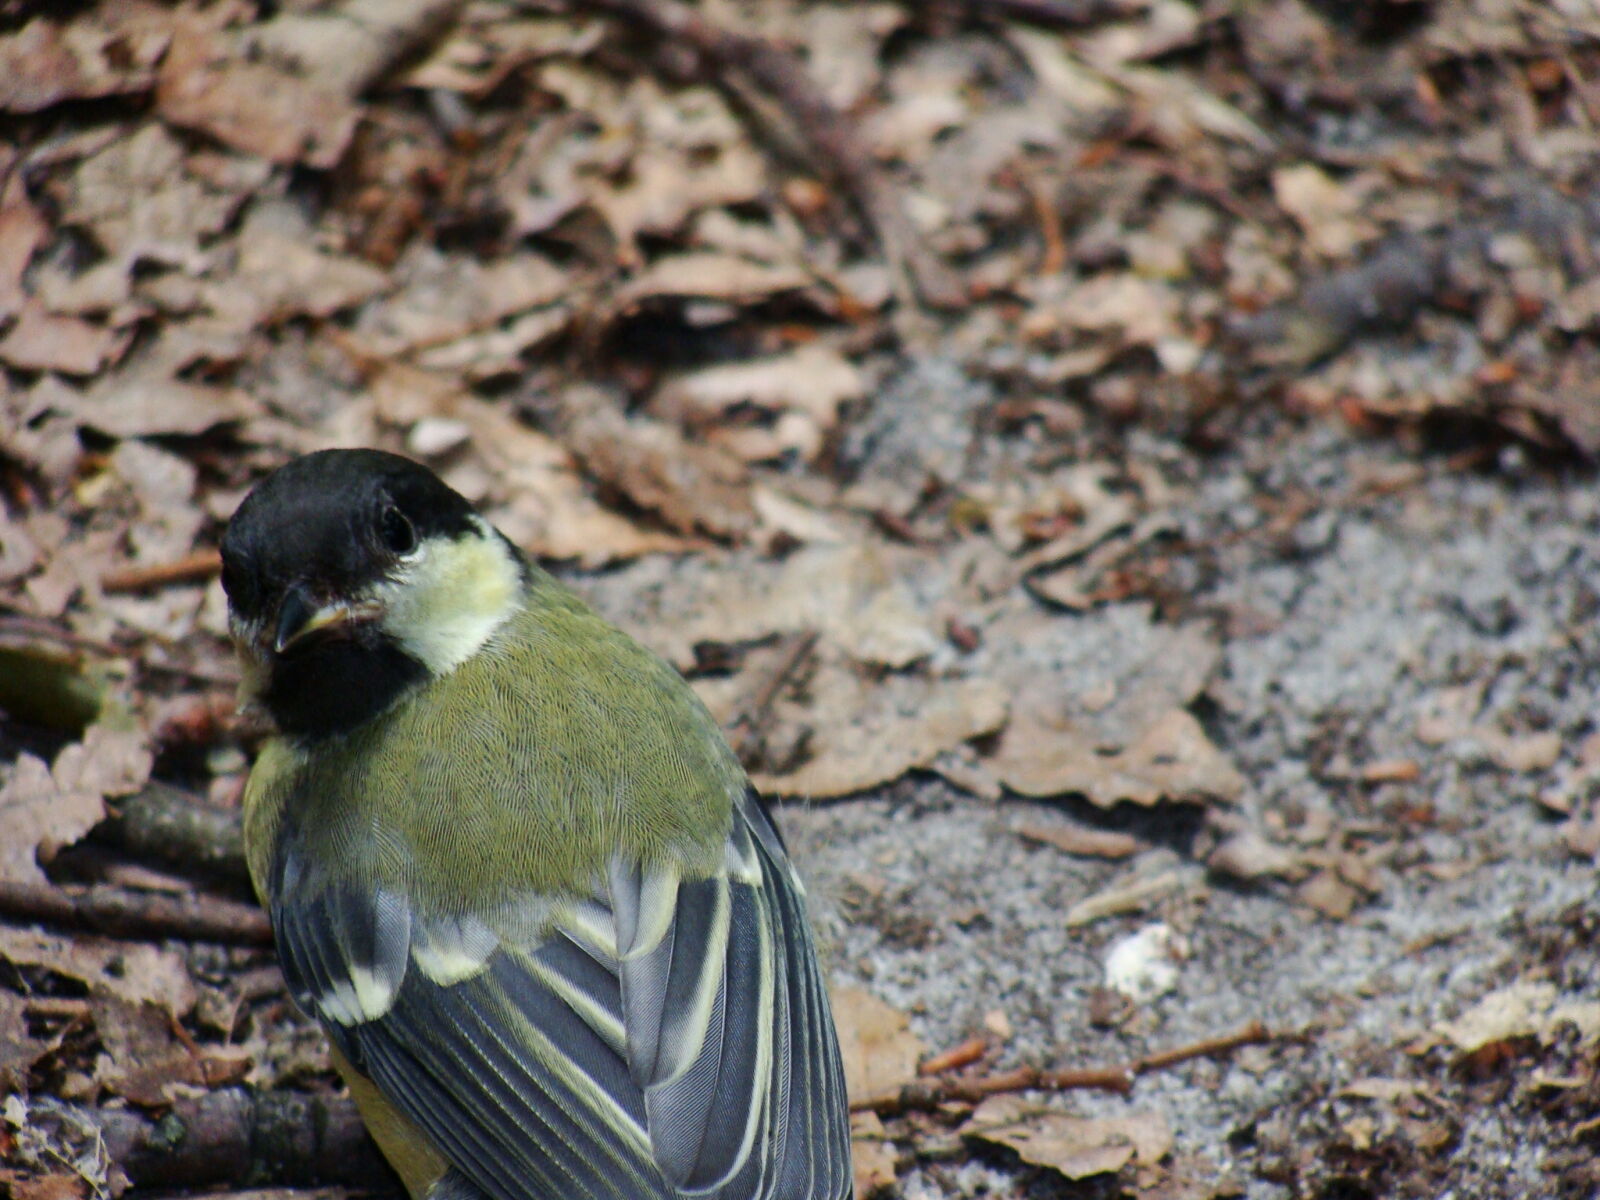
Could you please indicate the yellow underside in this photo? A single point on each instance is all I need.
(405, 1146)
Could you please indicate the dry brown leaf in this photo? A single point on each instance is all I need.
(879, 1050)
(858, 596)
(343, 47)
(1077, 1147)
(1330, 213)
(46, 62)
(163, 486)
(478, 56)
(443, 299)
(137, 972)
(866, 732)
(694, 489)
(207, 83)
(45, 808)
(871, 1153)
(1165, 26)
(1527, 1008)
(806, 386)
(1521, 752)
(281, 272)
(141, 1060)
(1329, 895)
(1140, 311)
(22, 231)
(711, 276)
(133, 404)
(19, 1049)
(175, 210)
(1170, 759)
(1250, 855)
(41, 341)
(528, 483)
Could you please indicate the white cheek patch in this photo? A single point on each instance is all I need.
(451, 598)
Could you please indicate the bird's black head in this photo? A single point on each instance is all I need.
(353, 575)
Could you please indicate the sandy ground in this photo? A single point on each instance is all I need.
(1339, 636)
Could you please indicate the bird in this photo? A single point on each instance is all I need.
(513, 867)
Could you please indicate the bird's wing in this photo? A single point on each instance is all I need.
(669, 1035)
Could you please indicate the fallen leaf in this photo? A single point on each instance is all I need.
(208, 83)
(175, 209)
(1332, 214)
(858, 595)
(693, 488)
(42, 341)
(879, 1050)
(1171, 759)
(22, 231)
(527, 482)
(47, 62)
(442, 299)
(282, 273)
(871, 1153)
(1521, 752)
(137, 972)
(812, 379)
(1329, 895)
(868, 732)
(1076, 1147)
(711, 276)
(19, 1049)
(141, 1060)
(1249, 855)
(45, 808)
(1527, 1008)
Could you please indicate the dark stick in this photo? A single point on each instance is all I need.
(232, 1136)
(121, 913)
(176, 827)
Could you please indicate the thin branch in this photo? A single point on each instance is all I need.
(925, 1096)
(236, 1136)
(193, 568)
(175, 827)
(121, 913)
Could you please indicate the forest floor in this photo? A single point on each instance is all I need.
(1121, 471)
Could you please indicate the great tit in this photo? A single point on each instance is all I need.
(513, 866)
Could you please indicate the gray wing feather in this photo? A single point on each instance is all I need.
(687, 1048)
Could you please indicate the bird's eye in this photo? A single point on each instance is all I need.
(396, 531)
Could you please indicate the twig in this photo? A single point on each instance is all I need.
(118, 912)
(194, 568)
(828, 134)
(232, 1136)
(179, 829)
(964, 1055)
(923, 1096)
(1253, 1034)
(746, 731)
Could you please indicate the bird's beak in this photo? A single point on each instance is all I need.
(300, 616)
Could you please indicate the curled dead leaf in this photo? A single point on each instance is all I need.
(1077, 1147)
(1170, 759)
(875, 1040)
